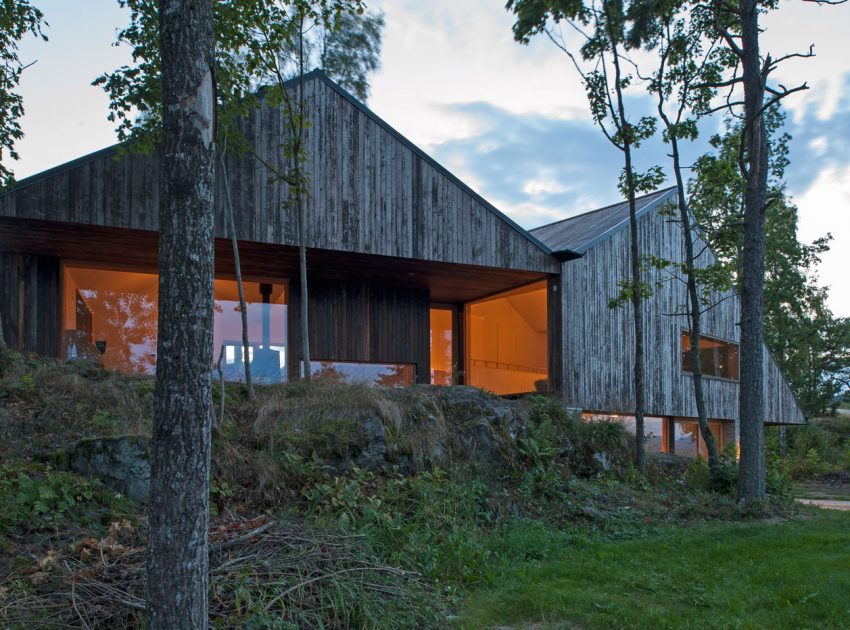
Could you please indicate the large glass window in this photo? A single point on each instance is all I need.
(266, 304)
(655, 429)
(442, 345)
(110, 316)
(507, 341)
(688, 440)
(717, 358)
(673, 435)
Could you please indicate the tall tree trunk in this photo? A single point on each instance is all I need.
(2, 335)
(299, 206)
(751, 483)
(177, 572)
(634, 254)
(243, 306)
(694, 308)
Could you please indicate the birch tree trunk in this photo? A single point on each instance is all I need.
(751, 483)
(177, 573)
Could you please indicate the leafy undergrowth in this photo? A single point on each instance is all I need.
(793, 574)
(342, 547)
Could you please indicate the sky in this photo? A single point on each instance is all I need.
(509, 120)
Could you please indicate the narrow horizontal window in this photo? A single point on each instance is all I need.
(717, 358)
(376, 374)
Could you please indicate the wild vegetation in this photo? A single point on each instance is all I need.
(300, 537)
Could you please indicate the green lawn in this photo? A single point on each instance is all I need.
(794, 574)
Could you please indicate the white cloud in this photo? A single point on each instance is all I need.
(825, 207)
(792, 29)
(545, 184)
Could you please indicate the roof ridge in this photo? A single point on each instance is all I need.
(608, 207)
(433, 162)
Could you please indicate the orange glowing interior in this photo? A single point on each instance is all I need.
(110, 316)
(507, 341)
(442, 359)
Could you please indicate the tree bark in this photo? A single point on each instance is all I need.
(751, 482)
(177, 563)
(634, 256)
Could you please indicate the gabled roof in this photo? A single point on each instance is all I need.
(563, 253)
(583, 231)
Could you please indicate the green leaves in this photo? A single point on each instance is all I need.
(18, 19)
(255, 39)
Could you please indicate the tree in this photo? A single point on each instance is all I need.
(177, 569)
(811, 346)
(688, 62)
(258, 41)
(17, 19)
(604, 47)
(738, 26)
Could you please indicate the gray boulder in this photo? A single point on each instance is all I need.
(121, 463)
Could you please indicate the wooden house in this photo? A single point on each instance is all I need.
(413, 277)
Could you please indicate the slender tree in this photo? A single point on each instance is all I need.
(177, 567)
(688, 62)
(605, 83)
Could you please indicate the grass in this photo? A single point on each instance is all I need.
(792, 574)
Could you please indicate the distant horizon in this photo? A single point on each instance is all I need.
(510, 121)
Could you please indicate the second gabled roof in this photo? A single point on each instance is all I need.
(583, 231)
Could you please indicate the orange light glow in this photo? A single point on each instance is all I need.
(442, 360)
(507, 341)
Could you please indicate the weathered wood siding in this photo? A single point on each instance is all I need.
(599, 342)
(371, 192)
(30, 302)
(363, 322)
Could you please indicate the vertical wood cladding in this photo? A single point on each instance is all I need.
(359, 321)
(30, 302)
(371, 192)
(599, 341)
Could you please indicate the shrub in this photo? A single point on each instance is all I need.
(34, 497)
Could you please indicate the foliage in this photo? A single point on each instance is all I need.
(35, 497)
(251, 37)
(811, 346)
(18, 18)
(813, 449)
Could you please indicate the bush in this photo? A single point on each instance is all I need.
(34, 497)
(816, 448)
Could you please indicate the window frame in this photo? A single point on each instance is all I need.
(728, 342)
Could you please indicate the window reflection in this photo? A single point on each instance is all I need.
(507, 341)
(266, 305)
(377, 374)
(111, 317)
(717, 358)
(654, 429)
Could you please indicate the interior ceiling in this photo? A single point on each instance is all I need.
(134, 249)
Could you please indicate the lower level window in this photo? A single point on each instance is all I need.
(674, 435)
(377, 374)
